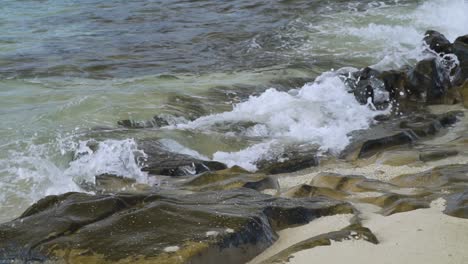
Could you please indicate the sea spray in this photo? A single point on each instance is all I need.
(322, 113)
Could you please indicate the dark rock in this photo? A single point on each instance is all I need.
(437, 42)
(460, 47)
(212, 227)
(352, 232)
(449, 118)
(428, 82)
(372, 146)
(157, 121)
(291, 160)
(395, 82)
(161, 161)
(457, 205)
(263, 184)
(365, 84)
(422, 126)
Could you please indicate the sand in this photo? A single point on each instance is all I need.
(425, 236)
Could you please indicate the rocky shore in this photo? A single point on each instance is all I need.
(397, 193)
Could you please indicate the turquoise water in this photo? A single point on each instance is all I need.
(70, 70)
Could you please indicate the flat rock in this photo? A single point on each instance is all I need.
(435, 178)
(211, 227)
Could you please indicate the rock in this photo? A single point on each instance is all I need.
(349, 183)
(435, 178)
(352, 232)
(108, 183)
(211, 227)
(263, 184)
(437, 42)
(292, 160)
(373, 146)
(428, 82)
(464, 93)
(436, 155)
(394, 82)
(366, 85)
(457, 205)
(398, 158)
(422, 126)
(161, 161)
(308, 191)
(460, 48)
(157, 121)
(404, 205)
(231, 178)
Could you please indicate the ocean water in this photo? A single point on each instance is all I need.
(70, 70)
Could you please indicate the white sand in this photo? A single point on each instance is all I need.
(291, 236)
(425, 236)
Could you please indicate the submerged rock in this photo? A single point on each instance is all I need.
(161, 161)
(212, 227)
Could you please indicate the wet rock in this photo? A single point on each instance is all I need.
(108, 183)
(157, 121)
(404, 205)
(308, 191)
(394, 82)
(231, 178)
(349, 183)
(457, 205)
(460, 47)
(437, 155)
(212, 227)
(366, 86)
(372, 146)
(398, 158)
(292, 160)
(428, 82)
(435, 178)
(161, 161)
(352, 232)
(437, 42)
(266, 183)
(449, 118)
(422, 126)
(464, 93)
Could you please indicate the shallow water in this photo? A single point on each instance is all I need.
(70, 67)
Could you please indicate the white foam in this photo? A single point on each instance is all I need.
(39, 170)
(117, 157)
(321, 113)
(448, 16)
